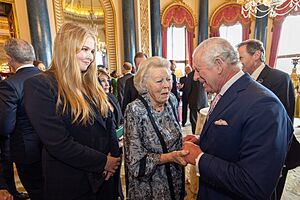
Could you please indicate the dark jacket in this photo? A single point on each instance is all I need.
(25, 146)
(281, 85)
(74, 155)
(243, 159)
(197, 96)
(130, 93)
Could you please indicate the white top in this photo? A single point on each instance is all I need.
(257, 72)
(25, 66)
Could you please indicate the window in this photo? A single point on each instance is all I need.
(232, 33)
(289, 44)
(176, 49)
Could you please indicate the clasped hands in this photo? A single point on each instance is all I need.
(190, 151)
(190, 144)
(112, 164)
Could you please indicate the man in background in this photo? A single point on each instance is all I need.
(130, 92)
(197, 98)
(126, 71)
(252, 56)
(25, 147)
(174, 83)
(184, 87)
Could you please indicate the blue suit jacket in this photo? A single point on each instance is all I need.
(25, 145)
(243, 160)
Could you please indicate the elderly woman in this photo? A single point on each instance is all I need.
(153, 136)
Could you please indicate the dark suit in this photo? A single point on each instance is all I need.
(25, 146)
(130, 93)
(174, 87)
(74, 155)
(118, 116)
(243, 160)
(118, 119)
(197, 98)
(121, 87)
(281, 85)
(184, 99)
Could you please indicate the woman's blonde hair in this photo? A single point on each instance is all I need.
(76, 89)
(142, 75)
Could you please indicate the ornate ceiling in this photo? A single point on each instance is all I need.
(83, 7)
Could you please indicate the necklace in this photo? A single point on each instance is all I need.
(159, 109)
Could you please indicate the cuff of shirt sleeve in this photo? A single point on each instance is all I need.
(197, 164)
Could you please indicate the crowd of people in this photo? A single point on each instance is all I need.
(67, 128)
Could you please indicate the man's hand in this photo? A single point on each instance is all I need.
(191, 138)
(4, 195)
(194, 151)
(112, 163)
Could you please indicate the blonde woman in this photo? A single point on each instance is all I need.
(70, 113)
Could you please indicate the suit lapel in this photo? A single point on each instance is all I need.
(264, 73)
(229, 96)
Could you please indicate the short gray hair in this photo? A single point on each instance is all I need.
(253, 45)
(215, 47)
(19, 50)
(140, 79)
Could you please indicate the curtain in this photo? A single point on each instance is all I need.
(190, 36)
(164, 43)
(274, 44)
(245, 34)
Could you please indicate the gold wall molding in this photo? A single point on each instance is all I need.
(110, 27)
(145, 27)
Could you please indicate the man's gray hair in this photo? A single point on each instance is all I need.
(253, 45)
(19, 50)
(216, 47)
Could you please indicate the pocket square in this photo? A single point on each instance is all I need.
(221, 122)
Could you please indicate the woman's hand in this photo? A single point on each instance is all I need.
(192, 138)
(174, 156)
(112, 163)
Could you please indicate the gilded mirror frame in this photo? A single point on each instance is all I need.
(110, 28)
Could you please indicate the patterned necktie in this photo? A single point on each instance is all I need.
(213, 104)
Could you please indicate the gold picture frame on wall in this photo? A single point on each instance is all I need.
(8, 29)
(110, 28)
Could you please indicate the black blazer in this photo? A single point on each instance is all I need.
(184, 89)
(281, 85)
(118, 116)
(130, 93)
(25, 146)
(74, 155)
(174, 88)
(121, 87)
(197, 96)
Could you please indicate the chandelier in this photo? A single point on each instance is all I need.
(267, 7)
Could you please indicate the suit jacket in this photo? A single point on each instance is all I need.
(118, 116)
(130, 93)
(197, 96)
(121, 87)
(281, 85)
(25, 146)
(183, 80)
(174, 87)
(243, 160)
(74, 155)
